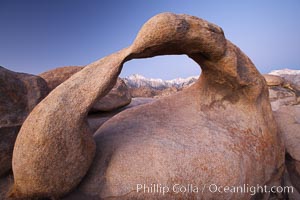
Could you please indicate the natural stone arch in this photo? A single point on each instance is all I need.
(55, 150)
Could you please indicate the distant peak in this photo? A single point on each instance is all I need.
(285, 71)
(137, 80)
(136, 76)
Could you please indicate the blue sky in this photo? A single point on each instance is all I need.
(39, 35)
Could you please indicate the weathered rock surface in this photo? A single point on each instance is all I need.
(167, 92)
(147, 92)
(118, 97)
(220, 130)
(59, 75)
(288, 120)
(19, 93)
(291, 81)
(273, 80)
(97, 119)
(55, 146)
(280, 96)
(138, 102)
(292, 76)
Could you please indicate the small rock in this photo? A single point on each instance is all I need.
(273, 80)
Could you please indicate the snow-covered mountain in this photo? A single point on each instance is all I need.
(285, 71)
(136, 80)
(291, 75)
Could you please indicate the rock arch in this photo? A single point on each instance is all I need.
(220, 130)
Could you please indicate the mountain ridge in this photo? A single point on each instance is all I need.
(137, 80)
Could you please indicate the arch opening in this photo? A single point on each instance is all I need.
(166, 67)
(160, 75)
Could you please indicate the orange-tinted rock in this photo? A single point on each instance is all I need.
(55, 148)
(218, 131)
(59, 75)
(118, 97)
(273, 80)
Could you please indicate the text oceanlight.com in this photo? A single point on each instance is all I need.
(213, 188)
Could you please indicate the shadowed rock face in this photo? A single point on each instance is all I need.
(219, 131)
(19, 93)
(57, 76)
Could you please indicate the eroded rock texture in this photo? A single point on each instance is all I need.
(19, 93)
(118, 97)
(273, 80)
(288, 120)
(95, 120)
(57, 76)
(55, 146)
(218, 131)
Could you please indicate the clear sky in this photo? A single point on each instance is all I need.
(38, 35)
